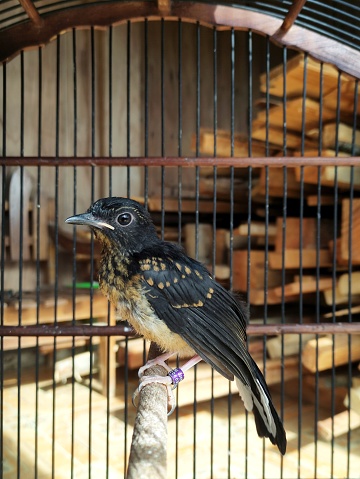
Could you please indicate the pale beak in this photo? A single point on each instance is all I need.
(87, 219)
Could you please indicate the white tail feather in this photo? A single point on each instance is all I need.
(250, 399)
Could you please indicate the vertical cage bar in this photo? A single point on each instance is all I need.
(334, 271)
(110, 89)
(21, 244)
(301, 312)
(267, 197)
(285, 200)
(92, 261)
(318, 243)
(162, 106)
(38, 282)
(215, 125)
(249, 216)
(108, 343)
(350, 268)
(198, 118)
(146, 108)
(2, 270)
(56, 284)
(231, 225)
(180, 127)
(74, 264)
(179, 179)
(128, 104)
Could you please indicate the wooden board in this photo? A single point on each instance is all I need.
(272, 182)
(355, 230)
(308, 229)
(276, 138)
(343, 283)
(328, 174)
(171, 205)
(332, 132)
(352, 401)
(347, 97)
(292, 259)
(223, 144)
(294, 115)
(329, 351)
(64, 311)
(287, 345)
(295, 78)
(257, 271)
(305, 287)
(337, 425)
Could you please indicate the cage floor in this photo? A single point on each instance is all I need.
(71, 450)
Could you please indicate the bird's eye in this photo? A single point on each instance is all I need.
(124, 219)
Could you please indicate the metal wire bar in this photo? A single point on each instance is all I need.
(301, 271)
(179, 184)
(197, 181)
(74, 262)
(350, 268)
(215, 126)
(38, 285)
(124, 330)
(189, 162)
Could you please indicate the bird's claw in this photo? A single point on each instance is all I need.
(153, 362)
(170, 381)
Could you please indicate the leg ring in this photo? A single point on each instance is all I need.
(176, 376)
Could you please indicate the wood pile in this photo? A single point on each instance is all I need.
(302, 255)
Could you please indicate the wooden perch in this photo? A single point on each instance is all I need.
(149, 442)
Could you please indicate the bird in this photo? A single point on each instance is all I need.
(174, 301)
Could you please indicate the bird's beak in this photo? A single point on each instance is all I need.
(87, 219)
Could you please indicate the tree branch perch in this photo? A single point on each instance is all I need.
(148, 453)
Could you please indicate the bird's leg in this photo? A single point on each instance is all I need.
(159, 360)
(170, 381)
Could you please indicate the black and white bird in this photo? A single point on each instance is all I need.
(173, 300)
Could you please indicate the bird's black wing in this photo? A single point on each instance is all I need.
(211, 320)
(185, 296)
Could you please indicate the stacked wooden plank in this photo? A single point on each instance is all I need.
(311, 252)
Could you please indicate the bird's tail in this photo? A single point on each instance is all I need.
(257, 399)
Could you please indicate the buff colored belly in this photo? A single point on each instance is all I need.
(142, 318)
(154, 329)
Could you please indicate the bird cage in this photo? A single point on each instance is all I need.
(236, 124)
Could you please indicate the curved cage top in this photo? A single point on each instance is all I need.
(333, 19)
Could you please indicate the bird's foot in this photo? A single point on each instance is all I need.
(158, 361)
(170, 381)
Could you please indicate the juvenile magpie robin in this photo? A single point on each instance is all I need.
(173, 300)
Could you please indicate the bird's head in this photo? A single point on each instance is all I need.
(118, 222)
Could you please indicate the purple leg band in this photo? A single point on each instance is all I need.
(176, 375)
